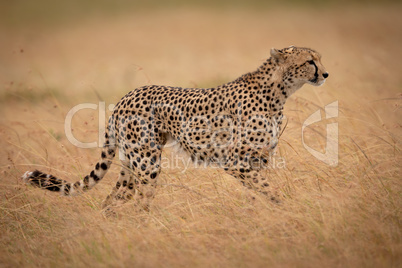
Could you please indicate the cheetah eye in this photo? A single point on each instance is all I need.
(310, 62)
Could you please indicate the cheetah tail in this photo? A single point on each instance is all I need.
(51, 183)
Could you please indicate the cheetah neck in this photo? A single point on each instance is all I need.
(267, 82)
(269, 85)
(273, 76)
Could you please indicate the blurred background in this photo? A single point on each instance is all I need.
(76, 47)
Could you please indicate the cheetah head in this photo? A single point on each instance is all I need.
(300, 65)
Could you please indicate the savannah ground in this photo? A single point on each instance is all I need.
(53, 58)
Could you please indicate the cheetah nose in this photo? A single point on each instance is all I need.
(325, 75)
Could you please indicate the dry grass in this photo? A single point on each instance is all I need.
(344, 216)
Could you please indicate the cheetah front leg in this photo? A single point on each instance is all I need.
(255, 181)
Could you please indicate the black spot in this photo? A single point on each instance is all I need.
(54, 183)
(76, 184)
(67, 189)
(94, 176)
(103, 166)
(86, 182)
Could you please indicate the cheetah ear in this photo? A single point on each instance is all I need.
(277, 55)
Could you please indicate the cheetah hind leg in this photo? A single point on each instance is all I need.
(138, 179)
(123, 191)
(129, 187)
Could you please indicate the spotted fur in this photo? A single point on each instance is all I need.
(235, 125)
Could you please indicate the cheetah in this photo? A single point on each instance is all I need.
(235, 125)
